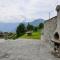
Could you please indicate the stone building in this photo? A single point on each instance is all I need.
(49, 27)
(52, 31)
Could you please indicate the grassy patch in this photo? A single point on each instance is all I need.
(35, 35)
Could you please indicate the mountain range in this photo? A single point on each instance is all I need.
(11, 27)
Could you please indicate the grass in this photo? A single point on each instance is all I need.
(35, 35)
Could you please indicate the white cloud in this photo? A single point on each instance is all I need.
(18, 10)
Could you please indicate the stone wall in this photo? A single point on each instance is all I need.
(49, 28)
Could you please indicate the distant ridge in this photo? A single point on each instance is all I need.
(8, 27)
(37, 22)
(11, 27)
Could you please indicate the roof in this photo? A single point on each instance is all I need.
(50, 19)
(29, 32)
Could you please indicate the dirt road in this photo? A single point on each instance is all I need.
(24, 49)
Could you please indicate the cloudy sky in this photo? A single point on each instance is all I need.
(19, 10)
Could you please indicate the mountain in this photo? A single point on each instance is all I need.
(11, 27)
(37, 22)
(8, 27)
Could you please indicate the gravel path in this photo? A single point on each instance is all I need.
(23, 49)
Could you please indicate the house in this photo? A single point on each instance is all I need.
(49, 28)
(52, 31)
(29, 33)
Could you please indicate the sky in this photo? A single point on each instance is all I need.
(28, 10)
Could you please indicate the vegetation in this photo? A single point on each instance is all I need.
(41, 25)
(29, 27)
(35, 29)
(20, 30)
(35, 35)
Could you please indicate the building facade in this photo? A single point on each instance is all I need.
(49, 28)
(52, 31)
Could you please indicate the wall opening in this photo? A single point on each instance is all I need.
(56, 36)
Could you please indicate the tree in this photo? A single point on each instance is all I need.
(35, 28)
(20, 29)
(41, 25)
(29, 27)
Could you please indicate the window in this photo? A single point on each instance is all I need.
(56, 36)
